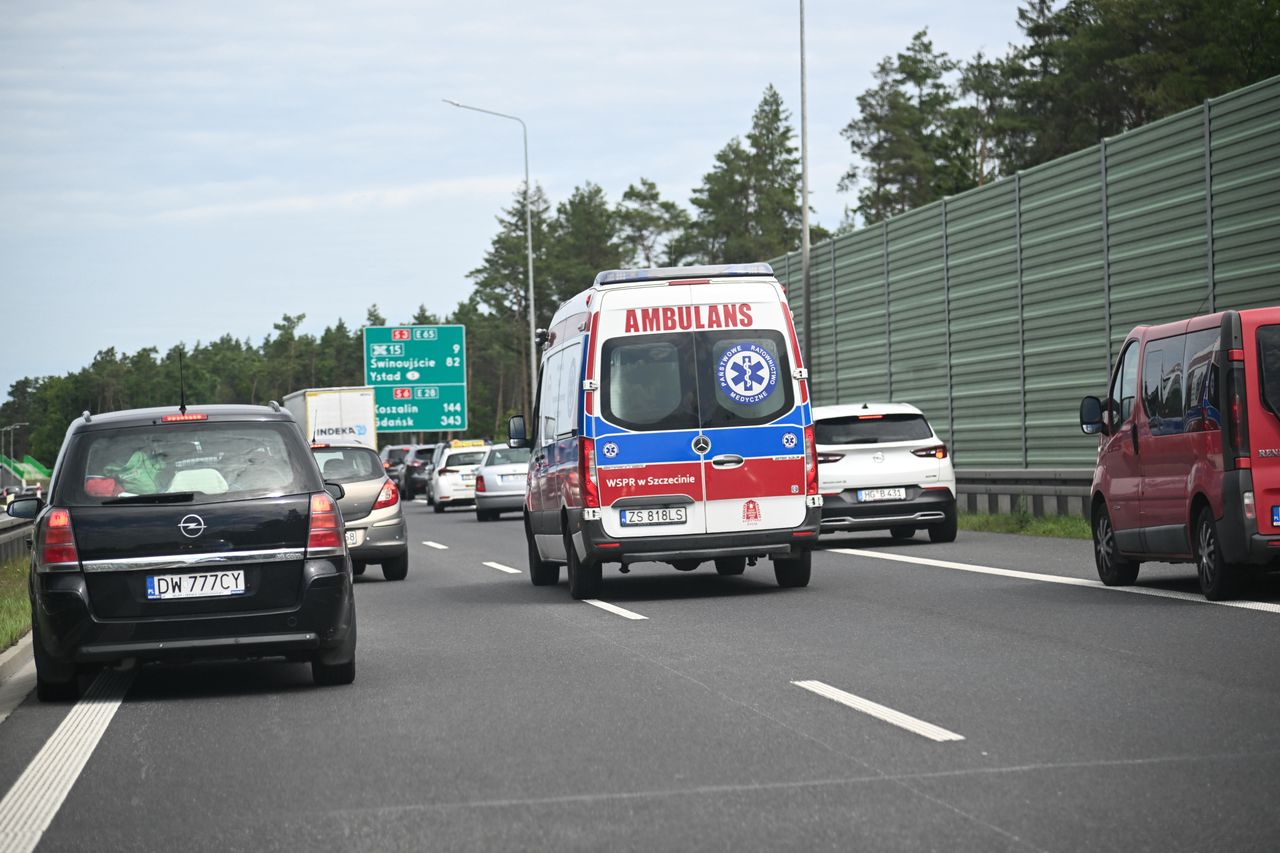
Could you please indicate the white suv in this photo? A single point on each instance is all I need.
(881, 466)
(453, 481)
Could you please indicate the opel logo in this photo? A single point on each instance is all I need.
(701, 445)
(191, 526)
(877, 457)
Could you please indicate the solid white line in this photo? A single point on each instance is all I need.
(16, 687)
(503, 568)
(613, 608)
(29, 807)
(436, 545)
(1264, 606)
(880, 712)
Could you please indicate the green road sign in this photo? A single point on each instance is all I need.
(419, 377)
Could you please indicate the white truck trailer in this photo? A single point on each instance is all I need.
(335, 415)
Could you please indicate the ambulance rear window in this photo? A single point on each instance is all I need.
(649, 382)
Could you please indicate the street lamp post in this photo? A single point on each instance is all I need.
(11, 429)
(804, 199)
(528, 233)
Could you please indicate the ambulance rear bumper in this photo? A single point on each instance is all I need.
(594, 543)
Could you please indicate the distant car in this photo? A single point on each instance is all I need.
(393, 456)
(8, 493)
(171, 533)
(36, 491)
(371, 508)
(416, 470)
(500, 481)
(882, 467)
(453, 481)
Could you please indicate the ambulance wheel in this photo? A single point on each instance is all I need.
(584, 576)
(731, 565)
(793, 571)
(541, 572)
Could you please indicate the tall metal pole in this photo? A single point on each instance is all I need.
(528, 232)
(804, 199)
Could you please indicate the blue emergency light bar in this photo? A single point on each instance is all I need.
(677, 273)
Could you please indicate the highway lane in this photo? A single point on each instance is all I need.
(489, 714)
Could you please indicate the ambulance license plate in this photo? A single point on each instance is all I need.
(196, 585)
(662, 515)
(865, 495)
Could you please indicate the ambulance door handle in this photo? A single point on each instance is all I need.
(727, 460)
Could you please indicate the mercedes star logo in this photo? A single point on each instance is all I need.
(191, 526)
(701, 445)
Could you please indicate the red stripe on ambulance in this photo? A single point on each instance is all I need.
(679, 478)
(757, 478)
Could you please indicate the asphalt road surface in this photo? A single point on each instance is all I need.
(986, 695)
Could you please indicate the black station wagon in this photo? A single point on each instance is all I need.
(174, 534)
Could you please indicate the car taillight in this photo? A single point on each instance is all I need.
(323, 532)
(1250, 508)
(389, 496)
(415, 464)
(825, 458)
(937, 451)
(587, 472)
(386, 465)
(810, 463)
(480, 483)
(58, 544)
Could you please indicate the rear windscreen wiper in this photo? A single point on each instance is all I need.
(161, 498)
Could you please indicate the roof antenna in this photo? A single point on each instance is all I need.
(182, 387)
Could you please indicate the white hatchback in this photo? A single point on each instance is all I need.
(453, 481)
(882, 467)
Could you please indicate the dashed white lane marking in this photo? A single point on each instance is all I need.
(1264, 606)
(436, 545)
(503, 568)
(29, 807)
(880, 712)
(16, 687)
(613, 608)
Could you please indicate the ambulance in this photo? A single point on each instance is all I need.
(672, 424)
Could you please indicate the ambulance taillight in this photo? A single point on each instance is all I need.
(587, 472)
(810, 463)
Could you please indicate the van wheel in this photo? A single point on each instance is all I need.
(1113, 568)
(902, 531)
(1219, 580)
(397, 569)
(55, 681)
(946, 531)
(731, 565)
(541, 572)
(793, 571)
(584, 576)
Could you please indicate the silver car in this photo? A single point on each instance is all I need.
(371, 508)
(500, 481)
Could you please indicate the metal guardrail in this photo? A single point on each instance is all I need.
(14, 533)
(1037, 491)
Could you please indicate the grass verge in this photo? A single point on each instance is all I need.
(15, 609)
(1061, 526)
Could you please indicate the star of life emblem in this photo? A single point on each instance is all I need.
(609, 449)
(788, 440)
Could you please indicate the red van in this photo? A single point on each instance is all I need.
(1189, 456)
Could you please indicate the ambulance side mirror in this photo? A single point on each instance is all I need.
(516, 436)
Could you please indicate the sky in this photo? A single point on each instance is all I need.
(174, 171)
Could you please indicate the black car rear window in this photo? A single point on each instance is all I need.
(871, 429)
(209, 462)
(348, 464)
(1269, 362)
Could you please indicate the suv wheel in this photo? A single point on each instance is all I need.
(55, 681)
(793, 571)
(584, 576)
(902, 531)
(1113, 569)
(541, 572)
(436, 506)
(946, 530)
(1219, 580)
(397, 569)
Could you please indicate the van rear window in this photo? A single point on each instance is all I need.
(865, 429)
(1269, 363)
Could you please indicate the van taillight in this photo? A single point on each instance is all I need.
(389, 496)
(938, 451)
(324, 532)
(480, 483)
(810, 463)
(587, 472)
(1237, 414)
(58, 544)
